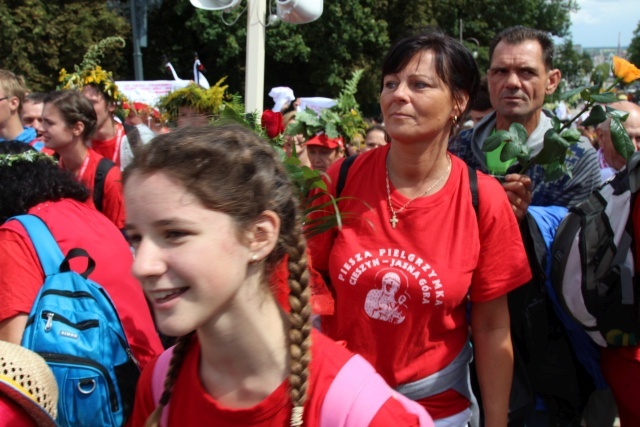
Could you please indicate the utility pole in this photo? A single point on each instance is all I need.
(138, 14)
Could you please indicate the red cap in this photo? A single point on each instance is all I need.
(323, 141)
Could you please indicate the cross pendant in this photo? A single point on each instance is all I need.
(393, 220)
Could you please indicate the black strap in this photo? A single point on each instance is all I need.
(473, 185)
(344, 170)
(104, 166)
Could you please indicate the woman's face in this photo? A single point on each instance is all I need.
(416, 104)
(56, 133)
(189, 259)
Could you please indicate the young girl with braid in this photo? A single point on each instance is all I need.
(212, 217)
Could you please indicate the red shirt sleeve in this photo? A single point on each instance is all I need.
(503, 263)
(144, 404)
(21, 276)
(113, 200)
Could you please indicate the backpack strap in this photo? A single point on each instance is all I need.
(473, 186)
(104, 166)
(157, 382)
(344, 171)
(357, 393)
(43, 241)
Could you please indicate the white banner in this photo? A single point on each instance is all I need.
(146, 91)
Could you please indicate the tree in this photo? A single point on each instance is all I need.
(574, 66)
(39, 37)
(634, 48)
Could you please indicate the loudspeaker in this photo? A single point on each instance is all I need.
(299, 11)
(215, 4)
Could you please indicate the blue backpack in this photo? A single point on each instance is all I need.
(75, 327)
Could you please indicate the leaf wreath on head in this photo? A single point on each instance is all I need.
(343, 119)
(89, 72)
(209, 102)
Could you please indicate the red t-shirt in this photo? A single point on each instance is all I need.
(401, 294)
(190, 403)
(110, 148)
(112, 197)
(73, 225)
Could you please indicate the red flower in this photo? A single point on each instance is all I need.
(272, 123)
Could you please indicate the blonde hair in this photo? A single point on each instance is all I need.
(231, 170)
(12, 85)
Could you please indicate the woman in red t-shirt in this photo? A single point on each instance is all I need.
(69, 120)
(413, 250)
(211, 215)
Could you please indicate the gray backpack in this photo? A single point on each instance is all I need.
(593, 262)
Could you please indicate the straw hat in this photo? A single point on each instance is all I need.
(27, 381)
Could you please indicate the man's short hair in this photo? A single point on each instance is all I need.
(12, 85)
(520, 34)
(35, 97)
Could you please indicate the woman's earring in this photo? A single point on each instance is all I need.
(254, 258)
(455, 120)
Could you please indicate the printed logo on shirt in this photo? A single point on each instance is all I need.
(396, 278)
(389, 302)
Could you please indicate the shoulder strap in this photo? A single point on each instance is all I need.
(104, 166)
(43, 241)
(473, 184)
(356, 395)
(157, 382)
(344, 171)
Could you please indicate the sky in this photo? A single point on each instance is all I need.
(598, 22)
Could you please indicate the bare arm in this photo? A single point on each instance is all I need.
(494, 357)
(11, 329)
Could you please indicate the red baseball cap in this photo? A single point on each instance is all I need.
(322, 140)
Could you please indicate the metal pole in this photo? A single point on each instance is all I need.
(460, 22)
(254, 74)
(135, 27)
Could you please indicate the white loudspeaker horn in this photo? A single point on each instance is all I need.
(299, 11)
(215, 4)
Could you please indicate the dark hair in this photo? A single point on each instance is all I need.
(26, 183)
(455, 65)
(74, 107)
(381, 128)
(482, 100)
(35, 97)
(520, 34)
(231, 170)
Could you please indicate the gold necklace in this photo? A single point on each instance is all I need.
(394, 219)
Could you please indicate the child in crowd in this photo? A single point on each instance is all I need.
(212, 216)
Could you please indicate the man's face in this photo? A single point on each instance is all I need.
(104, 110)
(32, 116)
(631, 125)
(518, 80)
(8, 106)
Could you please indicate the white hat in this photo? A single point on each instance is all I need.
(316, 103)
(281, 95)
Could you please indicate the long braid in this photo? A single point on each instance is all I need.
(300, 319)
(179, 353)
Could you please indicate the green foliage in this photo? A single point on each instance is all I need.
(39, 37)
(574, 66)
(634, 48)
(343, 119)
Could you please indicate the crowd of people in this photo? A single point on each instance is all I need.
(198, 238)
